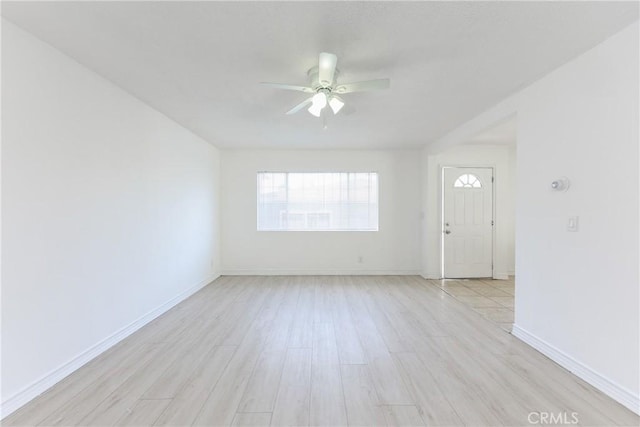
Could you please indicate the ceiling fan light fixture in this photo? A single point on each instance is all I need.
(319, 101)
(323, 85)
(314, 110)
(336, 104)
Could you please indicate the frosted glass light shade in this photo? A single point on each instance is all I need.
(319, 101)
(336, 104)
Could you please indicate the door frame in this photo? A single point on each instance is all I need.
(441, 168)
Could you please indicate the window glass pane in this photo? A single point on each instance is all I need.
(467, 180)
(317, 201)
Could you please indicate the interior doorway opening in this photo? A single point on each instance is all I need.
(467, 247)
(492, 293)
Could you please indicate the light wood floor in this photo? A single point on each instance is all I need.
(327, 350)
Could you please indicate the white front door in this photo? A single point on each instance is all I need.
(467, 224)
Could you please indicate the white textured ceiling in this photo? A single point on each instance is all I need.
(200, 62)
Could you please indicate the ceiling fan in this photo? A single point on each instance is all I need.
(323, 84)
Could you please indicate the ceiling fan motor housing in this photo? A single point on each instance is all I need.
(315, 83)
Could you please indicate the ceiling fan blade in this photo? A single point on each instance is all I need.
(364, 86)
(300, 106)
(326, 68)
(289, 87)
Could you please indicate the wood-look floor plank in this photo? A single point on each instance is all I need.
(115, 405)
(80, 406)
(321, 350)
(416, 315)
(350, 350)
(159, 378)
(240, 320)
(57, 398)
(223, 401)
(188, 402)
(292, 404)
(272, 304)
(184, 362)
(361, 400)
(403, 416)
(104, 372)
(512, 396)
(73, 405)
(322, 305)
(254, 419)
(390, 388)
(507, 397)
(469, 403)
(301, 335)
(392, 339)
(568, 393)
(262, 389)
(327, 396)
(435, 408)
(144, 413)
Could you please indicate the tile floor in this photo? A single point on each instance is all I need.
(493, 299)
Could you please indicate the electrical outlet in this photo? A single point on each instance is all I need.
(572, 223)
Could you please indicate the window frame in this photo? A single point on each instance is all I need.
(329, 230)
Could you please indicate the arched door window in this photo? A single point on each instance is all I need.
(467, 180)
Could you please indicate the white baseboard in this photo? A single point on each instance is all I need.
(50, 379)
(363, 272)
(278, 272)
(602, 383)
(431, 275)
(436, 276)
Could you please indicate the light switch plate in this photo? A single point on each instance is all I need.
(572, 223)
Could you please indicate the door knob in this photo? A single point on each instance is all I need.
(447, 231)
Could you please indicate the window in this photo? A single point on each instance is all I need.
(467, 180)
(345, 201)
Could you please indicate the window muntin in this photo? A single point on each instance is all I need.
(313, 201)
(467, 180)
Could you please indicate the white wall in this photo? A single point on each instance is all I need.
(395, 248)
(110, 214)
(510, 213)
(496, 156)
(578, 294)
